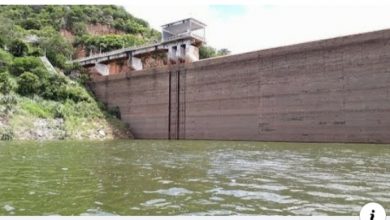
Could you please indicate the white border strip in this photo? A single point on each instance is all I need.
(348, 3)
(184, 218)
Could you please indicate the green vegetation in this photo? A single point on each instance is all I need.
(35, 98)
(41, 27)
(28, 84)
(208, 52)
(57, 49)
(5, 60)
(109, 42)
(27, 98)
(24, 64)
(32, 98)
(6, 134)
(18, 48)
(6, 84)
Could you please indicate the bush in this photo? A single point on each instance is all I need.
(8, 102)
(6, 134)
(79, 28)
(41, 72)
(29, 84)
(53, 87)
(18, 48)
(6, 83)
(57, 48)
(57, 88)
(31, 23)
(36, 52)
(5, 60)
(109, 42)
(56, 59)
(75, 93)
(24, 64)
(83, 78)
(2, 42)
(115, 111)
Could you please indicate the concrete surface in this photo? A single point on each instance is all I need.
(334, 90)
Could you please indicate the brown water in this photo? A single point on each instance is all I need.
(191, 178)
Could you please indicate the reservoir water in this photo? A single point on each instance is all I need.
(191, 178)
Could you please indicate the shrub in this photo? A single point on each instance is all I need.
(79, 28)
(36, 52)
(24, 64)
(6, 83)
(5, 60)
(18, 48)
(6, 134)
(59, 111)
(41, 72)
(115, 111)
(2, 42)
(109, 42)
(69, 68)
(57, 48)
(8, 102)
(83, 78)
(54, 87)
(29, 84)
(57, 88)
(56, 59)
(31, 23)
(75, 93)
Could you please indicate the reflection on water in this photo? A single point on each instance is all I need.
(191, 178)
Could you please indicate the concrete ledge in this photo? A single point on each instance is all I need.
(278, 51)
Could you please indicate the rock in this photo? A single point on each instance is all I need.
(48, 129)
(8, 208)
(102, 133)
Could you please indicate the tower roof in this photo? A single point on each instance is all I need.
(184, 25)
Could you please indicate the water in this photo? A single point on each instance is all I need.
(191, 178)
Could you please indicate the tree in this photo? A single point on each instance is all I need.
(7, 30)
(79, 28)
(58, 49)
(18, 48)
(223, 52)
(208, 52)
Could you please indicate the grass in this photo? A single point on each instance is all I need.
(81, 120)
(40, 109)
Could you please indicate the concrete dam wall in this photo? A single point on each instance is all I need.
(334, 90)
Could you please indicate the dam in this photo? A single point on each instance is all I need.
(334, 90)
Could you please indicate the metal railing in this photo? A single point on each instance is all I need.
(115, 52)
(124, 50)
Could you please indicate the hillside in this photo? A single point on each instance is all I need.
(38, 101)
